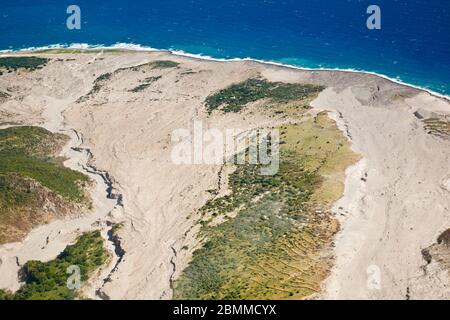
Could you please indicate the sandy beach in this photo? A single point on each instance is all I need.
(395, 204)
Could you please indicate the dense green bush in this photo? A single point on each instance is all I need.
(236, 96)
(22, 62)
(163, 64)
(48, 280)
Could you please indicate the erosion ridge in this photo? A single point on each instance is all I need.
(84, 164)
(111, 193)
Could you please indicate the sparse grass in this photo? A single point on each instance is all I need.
(14, 63)
(437, 126)
(272, 242)
(188, 72)
(98, 84)
(147, 82)
(151, 79)
(4, 96)
(116, 227)
(100, 81)
(48, 280)
(235, 97)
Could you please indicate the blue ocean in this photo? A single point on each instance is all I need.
(413, 44)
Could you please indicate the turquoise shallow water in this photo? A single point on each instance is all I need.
(413, 44)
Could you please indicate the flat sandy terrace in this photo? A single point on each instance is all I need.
(399, 207)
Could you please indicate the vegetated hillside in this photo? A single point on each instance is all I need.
(34, 185)
(268, 238)
(48, 280)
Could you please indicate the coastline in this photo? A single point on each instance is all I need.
(181, 53)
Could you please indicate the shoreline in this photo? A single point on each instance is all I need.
(181, 53)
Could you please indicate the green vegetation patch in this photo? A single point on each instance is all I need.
(116, 227)
(236, 96)
(32, 175)
(100, 81)
(147, 82)
(15, 63)
(31, 152)
(32, 141)
(98, 84)
(48, 280)
(265, 239)
(163, 64)
(55, 177)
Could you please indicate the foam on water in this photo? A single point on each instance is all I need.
(138, 47)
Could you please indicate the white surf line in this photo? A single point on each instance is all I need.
(138, 47)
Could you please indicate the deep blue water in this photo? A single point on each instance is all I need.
(413, 43)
